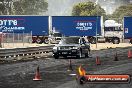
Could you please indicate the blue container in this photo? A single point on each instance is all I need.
(77, 25)
(24, 24)
(127, 27)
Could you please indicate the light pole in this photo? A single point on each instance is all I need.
(96, 3)
(97, 8)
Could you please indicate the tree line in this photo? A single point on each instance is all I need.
(91, 9)
(35, 7)
(23, 7)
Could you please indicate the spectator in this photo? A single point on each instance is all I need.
(0, 42)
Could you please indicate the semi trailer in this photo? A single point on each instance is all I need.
(45, 28)
(128, 28)
(36, 25)
(91, 26)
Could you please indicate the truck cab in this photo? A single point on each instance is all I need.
(112, 31)
(55, 37)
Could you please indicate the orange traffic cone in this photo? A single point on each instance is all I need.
(37, 75)
(129, 54)
(98, 61)
(70, 66)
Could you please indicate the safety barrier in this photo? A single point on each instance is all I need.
(17, 52)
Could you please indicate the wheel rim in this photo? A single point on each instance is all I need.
(56, 56)
(93, 41)
(80, 54)
(38, 41)
(46, 41)
(116, 41)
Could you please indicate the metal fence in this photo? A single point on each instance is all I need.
(9, 39)
(16, 38)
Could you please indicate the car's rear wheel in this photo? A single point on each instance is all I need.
(87, 53)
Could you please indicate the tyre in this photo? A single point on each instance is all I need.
(86, 55)
(116, 41)
(79, 55)
(93, 41)
(33, 41)
(131, 41)
(38, 41)
(81, 80)
(56, 56)
(46, 41)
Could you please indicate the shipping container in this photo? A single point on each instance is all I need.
(37, 25)
(128, 28)
(77, 25)
(19, 24)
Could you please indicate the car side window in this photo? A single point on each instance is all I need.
(79, 41)
(83, 41)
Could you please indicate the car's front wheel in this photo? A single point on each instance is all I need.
(86, 55)
(81, 80)
(56, 56)
(79, 55)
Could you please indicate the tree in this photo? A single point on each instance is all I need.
(24, 7)
(87, 9)
(2, 8)
(125, 10)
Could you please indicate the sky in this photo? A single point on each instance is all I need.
(64, 7)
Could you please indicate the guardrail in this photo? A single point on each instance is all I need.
(30, 51)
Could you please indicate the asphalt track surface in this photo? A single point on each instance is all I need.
(54, 73)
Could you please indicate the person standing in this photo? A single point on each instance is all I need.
(0, 42)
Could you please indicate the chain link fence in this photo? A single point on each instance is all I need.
(16, 38)
(13, 39)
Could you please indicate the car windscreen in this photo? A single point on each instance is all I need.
(70, 41)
